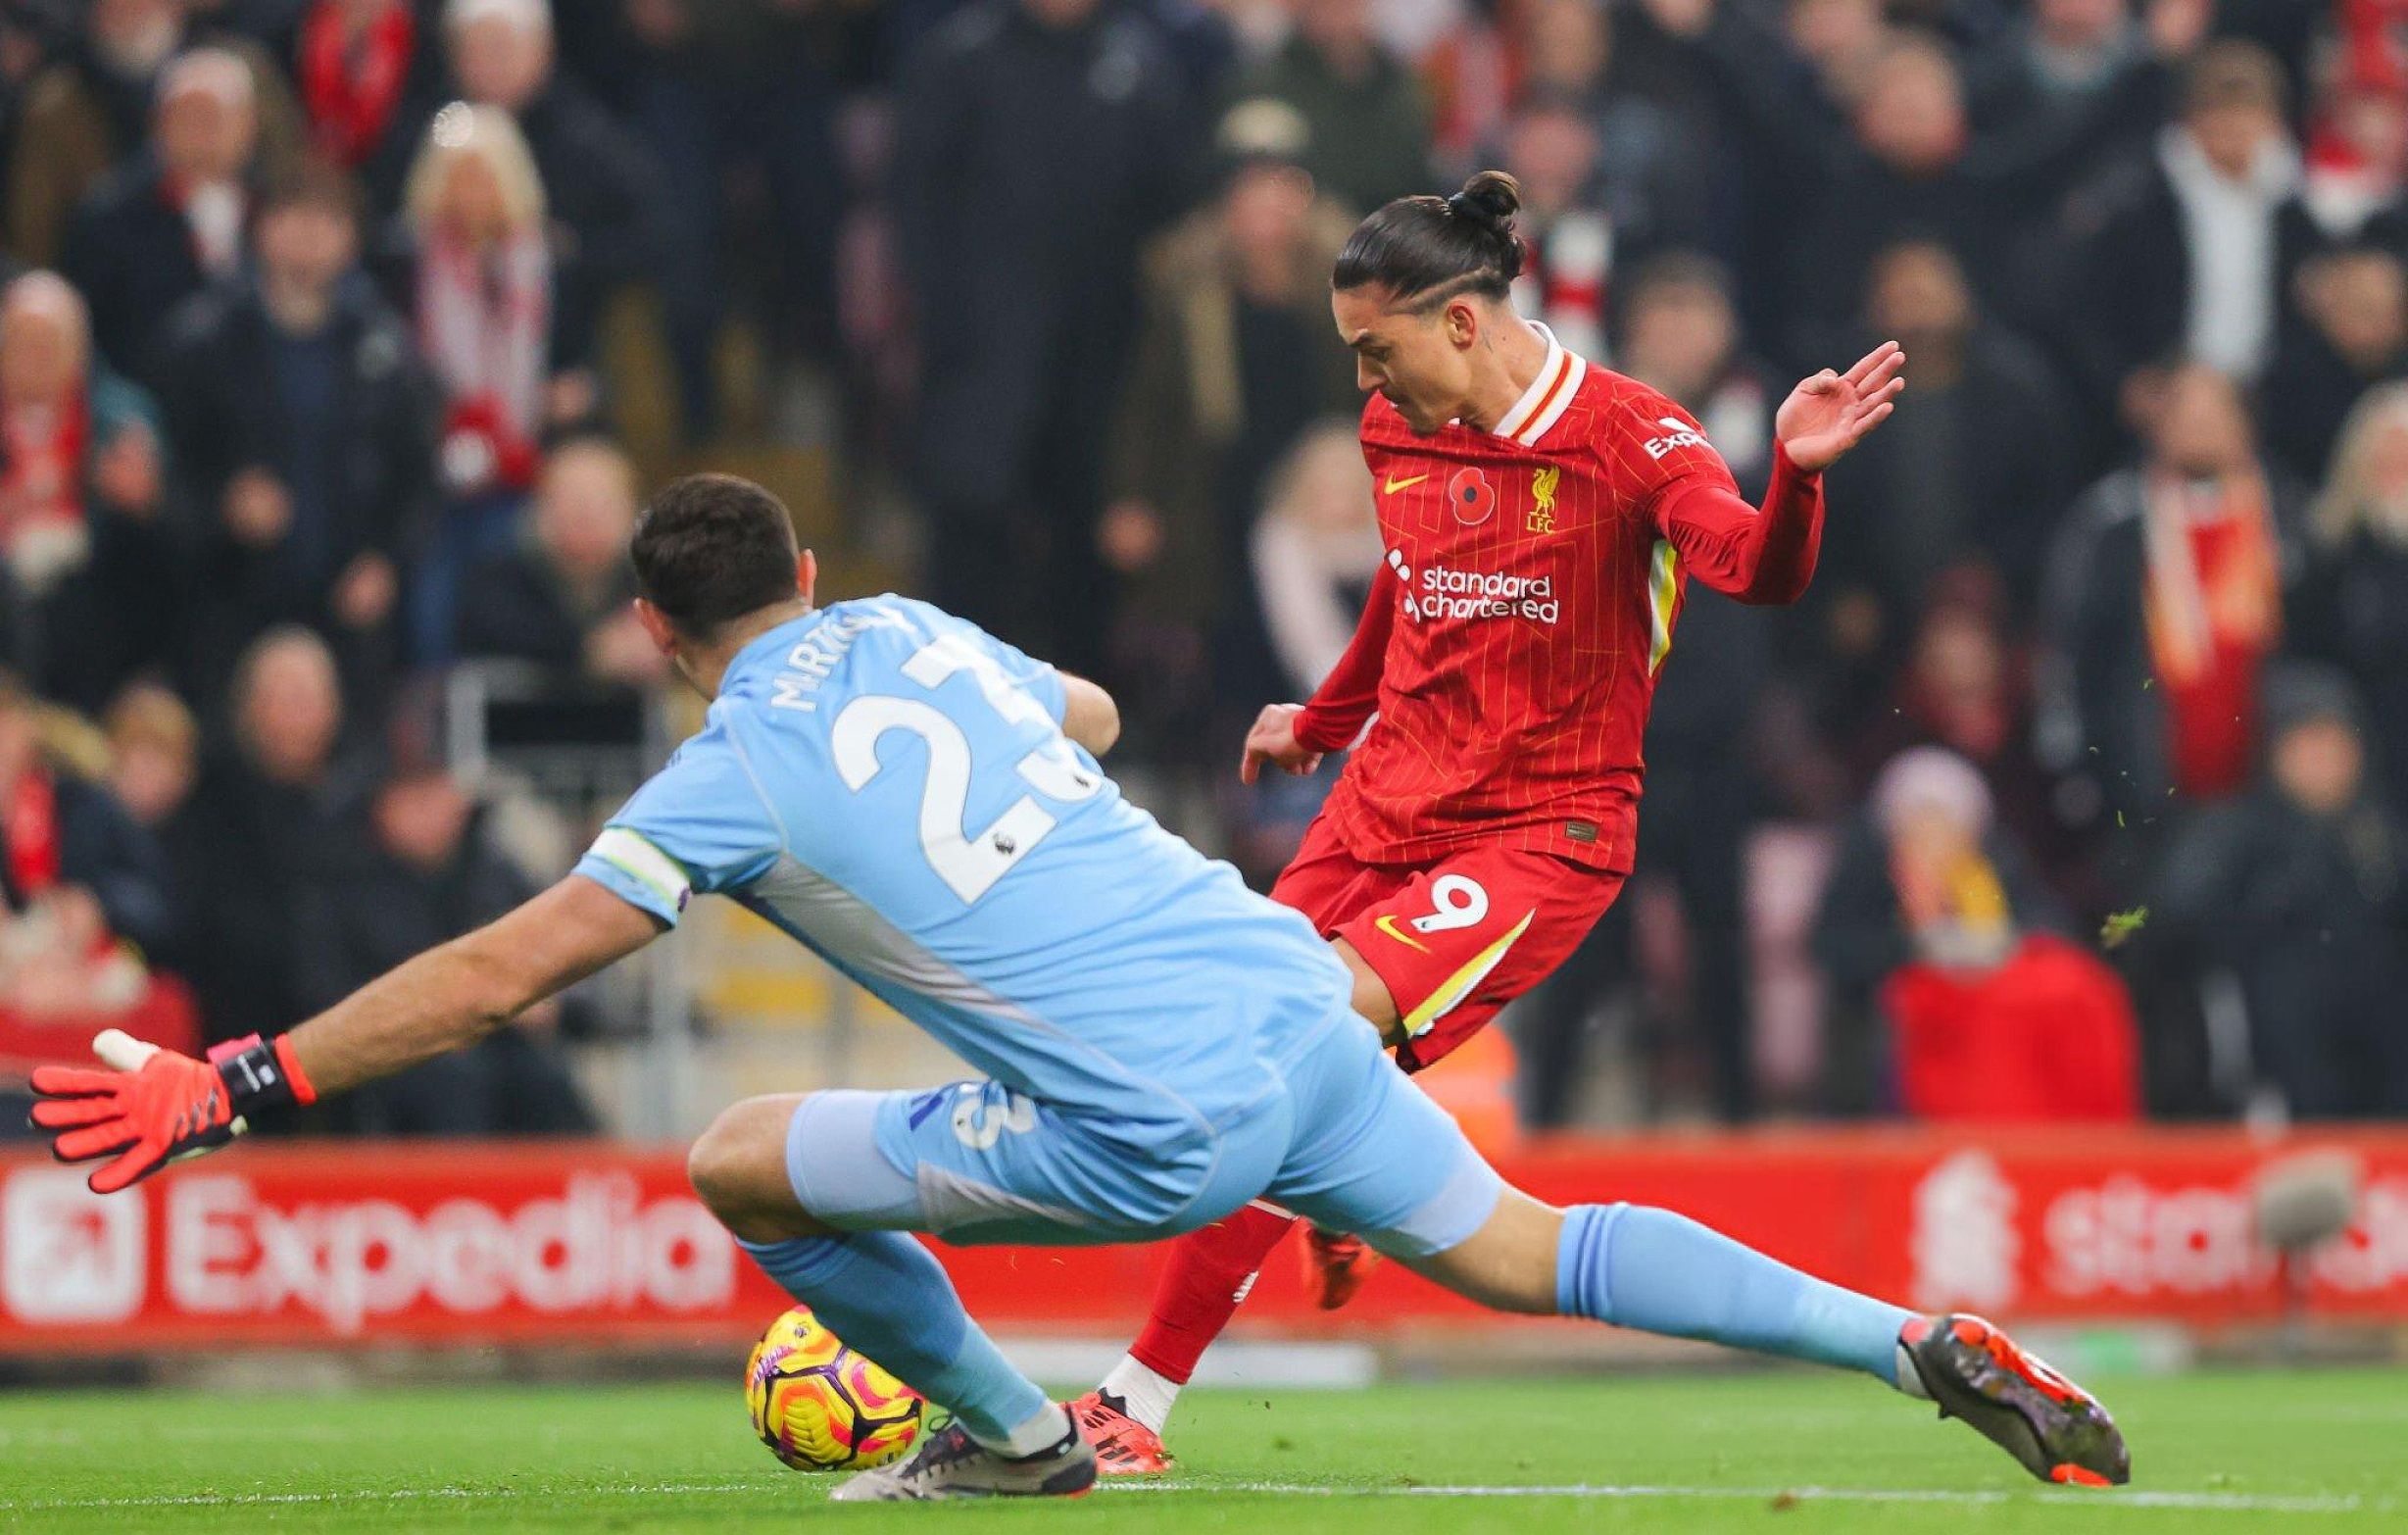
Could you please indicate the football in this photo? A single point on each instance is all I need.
(820, 1407)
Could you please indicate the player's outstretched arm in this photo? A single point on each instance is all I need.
(1768, 556)
(151, 1107)
(455, 993)
(1089, 715)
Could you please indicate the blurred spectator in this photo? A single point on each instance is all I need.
(1923, 935)
(1040, 144)
(1368, 122)
(736, 104)
(1859, 139)
(83, 884)
(1654, 133)
(600, 187)
(68, 839)
(2083, 67)
(357, 63)
(1232, 360)
(2357, 150)
(1974, 466)
(2351, 331)
(83, 505)
(154, 754)
(562, 598)
(2184, 252)
(1679, 333)
(474, 266)
(1571, 240)
(1315, 551)
(2165, 602)
(171, 221)
(2298, 890)
(1965, 687)
(311, 482)
(89, 110)
(266, 807)
(412, 868)
(2352, 607)
(1660, 144)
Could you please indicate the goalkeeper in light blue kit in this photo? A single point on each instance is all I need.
(920, 803)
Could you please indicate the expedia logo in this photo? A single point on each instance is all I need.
(1681, 436)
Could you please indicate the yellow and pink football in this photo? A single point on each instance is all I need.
(820, 1407)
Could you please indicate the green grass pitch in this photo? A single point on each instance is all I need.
(1772, 1452)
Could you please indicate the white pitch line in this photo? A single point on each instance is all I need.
(2248, 1503)
(385, 1495)
(2194, 1502)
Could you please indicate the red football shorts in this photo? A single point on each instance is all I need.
(1456, 938)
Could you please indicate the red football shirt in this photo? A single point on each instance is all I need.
(1534, 578)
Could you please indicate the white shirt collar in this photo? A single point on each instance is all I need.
(1548, 396)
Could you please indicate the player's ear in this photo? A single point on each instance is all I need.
(807, 576)
(1461, 319)
(657, 625)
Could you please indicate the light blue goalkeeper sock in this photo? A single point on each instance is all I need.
(1652, 1270)
(889, 1300)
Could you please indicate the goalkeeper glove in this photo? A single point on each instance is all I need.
(152, 1105)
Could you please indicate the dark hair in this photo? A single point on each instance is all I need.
(1672, 270)
(712, 548)
(315, 182)
(1429, 249)
(2233, 72)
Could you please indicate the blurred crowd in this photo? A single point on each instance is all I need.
(339, 338)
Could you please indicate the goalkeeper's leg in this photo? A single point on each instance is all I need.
(1379, 1157)
(881, 1292)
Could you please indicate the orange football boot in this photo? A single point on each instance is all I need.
(1124, 1447)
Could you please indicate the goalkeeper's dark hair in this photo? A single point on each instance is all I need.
(712, 549)
(1426, 250)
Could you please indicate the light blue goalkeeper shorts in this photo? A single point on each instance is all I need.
(1350, 1144)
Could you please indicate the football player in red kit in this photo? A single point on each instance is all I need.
(1542, 518)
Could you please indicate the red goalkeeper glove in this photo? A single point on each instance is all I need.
(154, 1105)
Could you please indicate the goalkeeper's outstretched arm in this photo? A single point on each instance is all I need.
(458, 992)
(149, 1107)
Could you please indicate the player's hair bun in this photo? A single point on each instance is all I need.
(1439, 246)
(1490, 199)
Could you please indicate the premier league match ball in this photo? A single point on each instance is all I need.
(820, 1407)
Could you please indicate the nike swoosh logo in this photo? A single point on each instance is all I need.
(1388, 924)
(1395, 485)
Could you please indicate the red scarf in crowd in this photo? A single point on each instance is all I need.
(32, 836)
(2214, 601)
(352, 87)
(41, 469)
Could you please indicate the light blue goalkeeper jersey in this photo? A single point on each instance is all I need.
(890, 787)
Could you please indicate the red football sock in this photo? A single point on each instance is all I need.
(1209, 1271)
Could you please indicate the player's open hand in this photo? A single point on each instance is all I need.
(149, 1107)
(152, 1107)
(1829, 413)
(1273, 740)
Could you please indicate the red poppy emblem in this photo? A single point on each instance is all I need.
(1471, 495)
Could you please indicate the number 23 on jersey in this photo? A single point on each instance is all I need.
(968, 861)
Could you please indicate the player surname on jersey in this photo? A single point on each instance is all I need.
(811, 662)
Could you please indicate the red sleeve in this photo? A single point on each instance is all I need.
(1348, 696)
(1762, 557)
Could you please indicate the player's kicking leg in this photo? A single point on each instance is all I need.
(1400, 1172)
